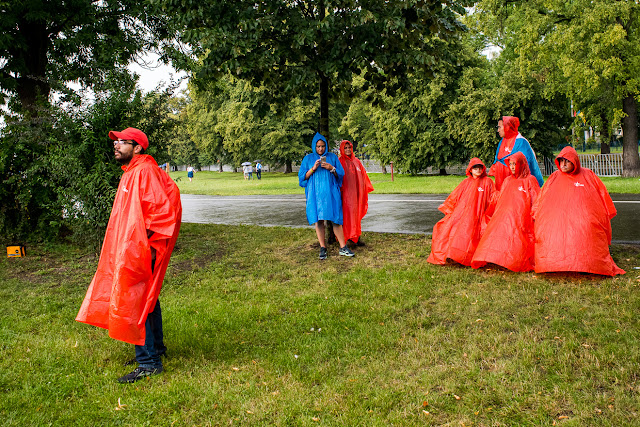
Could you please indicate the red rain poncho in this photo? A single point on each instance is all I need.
(124, 291)
(457, 234)
(573, 222)
(355, 190)
(508, 240)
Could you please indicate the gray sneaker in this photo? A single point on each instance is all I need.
(138, 374)
(323, 253)
(345, 251)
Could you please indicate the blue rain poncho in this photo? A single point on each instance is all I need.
(322, 189)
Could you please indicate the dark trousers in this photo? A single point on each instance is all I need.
(148, 355)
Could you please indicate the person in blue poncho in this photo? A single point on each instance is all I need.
(321, 176)
(512, 142)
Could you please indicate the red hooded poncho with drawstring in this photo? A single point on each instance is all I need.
(355, 190)
(508, 240)
(457, 234)
(573, 222)
(124, 290)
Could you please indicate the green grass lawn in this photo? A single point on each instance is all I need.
(262, 333)
(233, 184)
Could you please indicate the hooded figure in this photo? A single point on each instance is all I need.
(322, 189)
(573, 221)
(321, 176)
(458, 233)
(512, 142)
(355, 190)
(508, 240)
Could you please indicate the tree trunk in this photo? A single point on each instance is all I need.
(288, 167)
(384, 169)
(32, 85)
(324, 106)
(630, 158)
(220, 168)
(443, 172)
(605, 135)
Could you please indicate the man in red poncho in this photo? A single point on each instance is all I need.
(456, 236)
(512, 142)
(573, 221)
(355, 190)
(142, 231)
(508, 240)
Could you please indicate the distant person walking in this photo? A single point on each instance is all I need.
(141, 234)
(512, 142)
(190, 173)
(259, 170)
(355, 190)
(321, 176)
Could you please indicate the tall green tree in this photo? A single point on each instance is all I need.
(234, 121)
(409, 129)
(496, 88)
(314, 48)
(288, 132)
(201, 120)
(47, 43)
(587, 50)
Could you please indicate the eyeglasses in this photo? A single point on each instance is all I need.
(122, 142)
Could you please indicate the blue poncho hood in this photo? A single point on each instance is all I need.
(318, 137)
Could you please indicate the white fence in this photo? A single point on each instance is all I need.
(602, 164)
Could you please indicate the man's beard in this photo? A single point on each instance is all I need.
(124, 159)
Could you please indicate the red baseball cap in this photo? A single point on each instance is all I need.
(131, 134)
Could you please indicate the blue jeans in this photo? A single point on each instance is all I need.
(148, 355)
(259, 174)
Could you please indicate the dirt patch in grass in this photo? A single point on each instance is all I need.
(40, 269)
(196, 262)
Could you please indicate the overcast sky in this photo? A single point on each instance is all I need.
(155, 74)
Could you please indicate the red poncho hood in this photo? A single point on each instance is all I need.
(342, 144)
(474, 162)
(510, 125)
(570, 154)
(522, 166)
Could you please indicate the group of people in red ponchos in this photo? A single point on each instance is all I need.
(565, 226)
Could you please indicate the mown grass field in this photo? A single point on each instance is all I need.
(262, 333)
(233, 184)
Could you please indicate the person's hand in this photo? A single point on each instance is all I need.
(327, 166)
(316, 165)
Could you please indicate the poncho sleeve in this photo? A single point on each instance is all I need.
(451, 201)
(158, 209)
(307, 163)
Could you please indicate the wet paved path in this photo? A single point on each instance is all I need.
(388, 213)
